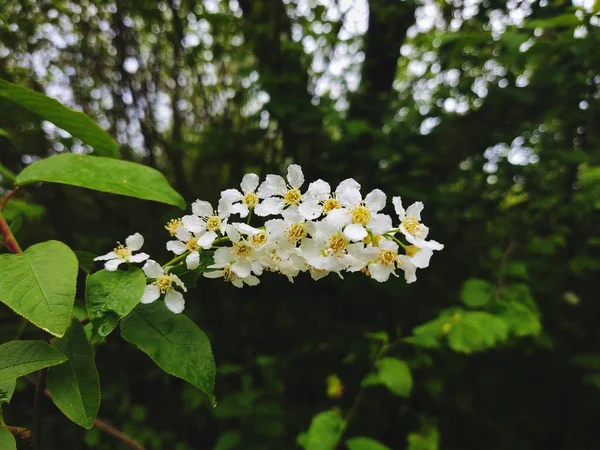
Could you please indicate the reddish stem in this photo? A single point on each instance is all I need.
(10, 194)
(9, 239)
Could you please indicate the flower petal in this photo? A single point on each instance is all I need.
(348, 183)
(193, 223)
(422, 257)
(355, 232)
(192, 260)
(397, 202)
(251, 280)
(134, 242)
(295, 176)
(349, 197)
(249, 183)
(151, 294)
(214, 274)
(174, 301)
(319, 190)
(140, 257)
(233, 195)
(109, 255)
(241, 268)
(152, 269)
(178, 282)
(241, 209)
(269, 207)
(182, 234)
(202, 208)
(414, 210)
(338, 218)
(224, 208)
(206, 240)
(380, 223)
(176, 247)
(273, 185)
(113, 264)
(380, 272)
(375, 200)
(311, 209)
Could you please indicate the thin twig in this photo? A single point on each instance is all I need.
(10, 194)
(118, 434)
(36, 429)
(21, 433)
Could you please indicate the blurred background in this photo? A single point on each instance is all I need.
(487, 111)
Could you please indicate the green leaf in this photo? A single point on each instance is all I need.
(18, 358)
(365, 443)
(40, 285)
(174, 343)
(110, 296)
(476, 331)
(74, 385)
(394, 374)
(76, 123)
(324, 432)
(86, 260)
(7, 440)
(476, 293)
(103, 174)
(425, 439)
(7, 389)
(563, 20)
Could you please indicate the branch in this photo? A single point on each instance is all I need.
(10, 194)
(18, 432)
(9, 239)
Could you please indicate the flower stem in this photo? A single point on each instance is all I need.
(175, 260)
(10, 194)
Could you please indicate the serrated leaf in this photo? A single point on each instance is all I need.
(392, 373)
(18, 358)
(324, 432)
(7, 440)
(76, 123)
(74, 385)
(365, 443)
(40, 285)
(103, 174)
(476, 293)
(174, 343)
(7, 389)
(110, 296)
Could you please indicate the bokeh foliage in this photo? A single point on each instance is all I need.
(487, 111)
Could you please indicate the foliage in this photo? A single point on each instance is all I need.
(487, 112)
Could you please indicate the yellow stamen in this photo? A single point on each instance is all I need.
(330, 204)
(360, 214)
(413, 226)
(250, 199)
(412, 250)
(292, 197)
(122, 251)
(259, 238)
(172, 226)
(164, 283)
(241, 249)
(372, 239)
(387, 256)
(213, 223)
(192, 245)
(296, 232)
(337, 244)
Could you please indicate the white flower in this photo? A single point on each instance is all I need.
(205, 222)
(360, 216)
(289, 231)
(229, 267)
(329, 249)
(319, 199)
(187, 242)
(278, 195)
(124, 253)
(411, 227)
(248, 198)
(164, 283)
(388, 261)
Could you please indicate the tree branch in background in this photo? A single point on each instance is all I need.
(267, 26)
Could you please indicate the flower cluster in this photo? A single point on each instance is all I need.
(317, 230)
